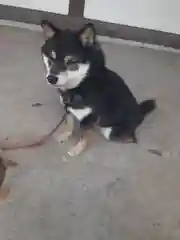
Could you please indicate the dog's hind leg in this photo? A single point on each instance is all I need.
(118, 134)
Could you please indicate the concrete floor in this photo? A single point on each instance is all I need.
(112, 191)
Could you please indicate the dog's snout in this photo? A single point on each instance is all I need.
(52, 79)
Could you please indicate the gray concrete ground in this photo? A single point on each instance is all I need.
(112, 191)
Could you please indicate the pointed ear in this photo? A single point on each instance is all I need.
(87, 35)
(48, 29)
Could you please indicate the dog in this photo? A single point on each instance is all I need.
(75, 65)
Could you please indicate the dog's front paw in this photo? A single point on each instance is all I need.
(78, 148)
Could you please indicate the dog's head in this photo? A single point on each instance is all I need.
(70, 56)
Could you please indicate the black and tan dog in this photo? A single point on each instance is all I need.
(75, 65)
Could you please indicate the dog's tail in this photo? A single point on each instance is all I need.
(148, 106)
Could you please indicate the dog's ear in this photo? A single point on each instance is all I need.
(87, 35)
(49, 29)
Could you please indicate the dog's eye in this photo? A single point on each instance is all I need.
(53, 54)
(71, 63)
(70, 60)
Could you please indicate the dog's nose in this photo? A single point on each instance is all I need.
(52, 79)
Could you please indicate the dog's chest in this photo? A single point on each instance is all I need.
(76, 107)
(80, 114)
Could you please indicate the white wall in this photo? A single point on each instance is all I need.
(161, 15)
(56, 6)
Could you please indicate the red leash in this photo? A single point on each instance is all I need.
(36, 143)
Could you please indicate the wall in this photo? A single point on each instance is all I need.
(160, 15)
(56, 6)
(134, 20)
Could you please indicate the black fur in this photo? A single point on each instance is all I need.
(46, 23)
(105, 92)
(113, 103)
(147, 106)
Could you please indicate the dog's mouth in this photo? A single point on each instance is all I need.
(64, 86)
(69, 79)
(58, 86)
(61, 87)
(53, 80)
